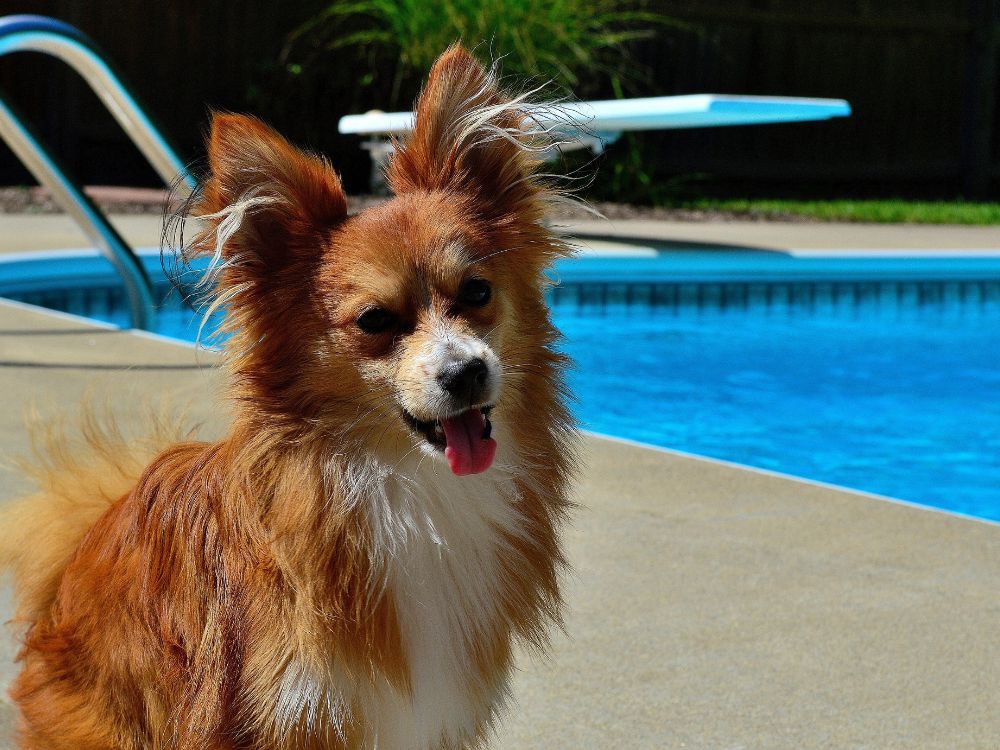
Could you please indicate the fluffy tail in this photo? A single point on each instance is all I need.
(79, 478)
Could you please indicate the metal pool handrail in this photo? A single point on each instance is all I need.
(27, 33)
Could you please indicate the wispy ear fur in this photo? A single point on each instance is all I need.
(277, 191)
(266, 205)
(268, 209)
(472, 138)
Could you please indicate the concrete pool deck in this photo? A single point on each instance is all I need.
(711, 606)
(790, 236)
(20, 232)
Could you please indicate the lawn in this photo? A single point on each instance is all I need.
(878, 211)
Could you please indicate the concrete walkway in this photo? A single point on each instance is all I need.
(760, 235)
(711, 607)
(20, 232)
(23, 232)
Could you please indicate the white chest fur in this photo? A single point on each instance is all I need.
(441, 536)
(438, 538)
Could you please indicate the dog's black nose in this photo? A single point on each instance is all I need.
(465, 380)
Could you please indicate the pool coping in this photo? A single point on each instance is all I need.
(613, 246)
(671, 267)
(782, 236)
(792, 477)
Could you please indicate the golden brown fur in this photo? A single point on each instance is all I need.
(250, 592)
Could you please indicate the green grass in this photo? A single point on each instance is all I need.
(876, 211)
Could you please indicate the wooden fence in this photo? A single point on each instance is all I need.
(920, 74)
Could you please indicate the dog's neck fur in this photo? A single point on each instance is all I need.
(433, 587)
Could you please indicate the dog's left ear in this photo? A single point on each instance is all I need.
(270, 202)
(468, 138)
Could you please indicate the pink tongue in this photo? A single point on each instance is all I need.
(466, 451)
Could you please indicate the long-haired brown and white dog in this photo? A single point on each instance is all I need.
(352, 564)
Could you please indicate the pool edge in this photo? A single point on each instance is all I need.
(791, 477)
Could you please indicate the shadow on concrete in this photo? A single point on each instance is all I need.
(56, 331)
(651, 243)
(709, 247)
(100, 366)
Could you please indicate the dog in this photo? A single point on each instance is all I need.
(353, 563)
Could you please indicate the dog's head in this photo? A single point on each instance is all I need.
(416, 322)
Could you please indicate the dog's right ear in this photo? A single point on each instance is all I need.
(269, 201)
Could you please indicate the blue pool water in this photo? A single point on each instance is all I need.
(881, 375)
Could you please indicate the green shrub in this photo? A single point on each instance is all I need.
(582, 45)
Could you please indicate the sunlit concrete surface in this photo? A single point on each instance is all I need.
(21, 232)
(710, 606)
(791, 235)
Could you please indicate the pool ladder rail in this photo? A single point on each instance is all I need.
(29, 33)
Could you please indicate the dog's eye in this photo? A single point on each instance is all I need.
(475, 293)
(376, 320)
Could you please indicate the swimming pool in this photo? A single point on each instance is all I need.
(878, 373)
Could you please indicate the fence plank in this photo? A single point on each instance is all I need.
(979, 101)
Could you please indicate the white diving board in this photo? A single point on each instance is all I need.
(614, 116)
(602, 122)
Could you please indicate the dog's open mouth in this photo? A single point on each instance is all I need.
(465, 439)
